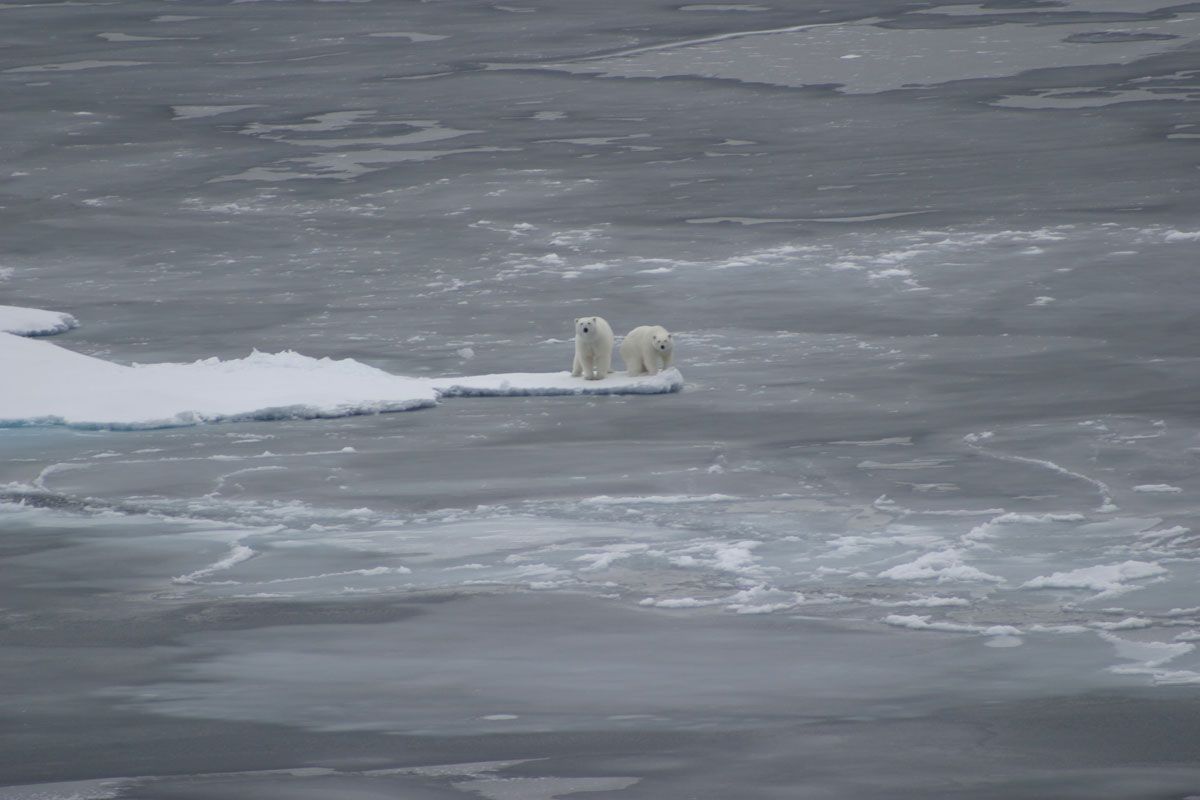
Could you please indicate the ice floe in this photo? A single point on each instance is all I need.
(522, 384)
(50, 385)
(411, 36)
(1149, 658)
(945, 566)
(922, 622)
(1157, 488)
(1107, 579)
(34, 321)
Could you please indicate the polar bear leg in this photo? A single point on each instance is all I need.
(630, 361)
(633, 365)
(603, 364)
(589, 364)
(650, 359)
(576, 367)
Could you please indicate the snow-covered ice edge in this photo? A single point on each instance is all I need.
(34, 321)
(542, 384)
(45, 384)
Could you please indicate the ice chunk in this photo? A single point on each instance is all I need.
(945, 566)
(46, 384)
(520, 384)
(1157, 488)
(34, 321)
(1107, 579)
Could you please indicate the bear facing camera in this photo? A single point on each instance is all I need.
(593, 348)
(647, 349)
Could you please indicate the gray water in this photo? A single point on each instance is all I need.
(920, 524)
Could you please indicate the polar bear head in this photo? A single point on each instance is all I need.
(587, 327)
(661, 340)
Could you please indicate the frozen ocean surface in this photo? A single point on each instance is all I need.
(920, 523)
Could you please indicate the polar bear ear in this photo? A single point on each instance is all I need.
(577, 320)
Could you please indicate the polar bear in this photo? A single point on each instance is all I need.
(647, 349)
(593, 348)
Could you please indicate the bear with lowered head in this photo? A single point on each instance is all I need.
(647, 349)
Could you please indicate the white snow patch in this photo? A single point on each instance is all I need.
(42, 387)
(988, 529)
(1157, 488)
(34, 321)
(540, 384)
(610, 555)
(1149, 658)
(921, 622)
(762, 599)
(1108, 579)
(656, 499)
(758, 599)
(933, 601)
(1041, 628)
(1127, 624)
(46, 389)
(678, 602)
(735, 557)
(945, 566)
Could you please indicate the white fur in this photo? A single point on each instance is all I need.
(647, 349)
(593, 348)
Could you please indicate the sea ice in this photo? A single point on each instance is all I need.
(521, 384)
(34, 321)
(945, 566)
(1157, 488)
(921, 622)
(1107, 579)
(46, 385)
